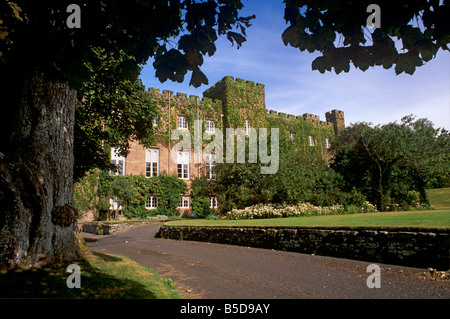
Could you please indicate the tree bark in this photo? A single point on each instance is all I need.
(37, 217)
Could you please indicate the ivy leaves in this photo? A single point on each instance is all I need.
(410, 34)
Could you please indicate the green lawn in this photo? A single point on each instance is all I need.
(439, 198)
(102, 276)
(429, 219)
(439, 218)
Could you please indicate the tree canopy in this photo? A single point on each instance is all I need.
(386, 162)
(410, 33)
(34, 36)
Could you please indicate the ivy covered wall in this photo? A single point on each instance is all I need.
(171, 106)
(230, 102)
(241, 100)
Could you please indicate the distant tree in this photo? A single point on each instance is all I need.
(338, 30)
(44, 61)
(389, 160)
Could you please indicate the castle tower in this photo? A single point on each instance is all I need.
(337, 118)
(242, 101)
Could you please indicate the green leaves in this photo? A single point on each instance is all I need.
(110, 111)
(202, 24)
(418, 26)
(96, 188)
(385, 162)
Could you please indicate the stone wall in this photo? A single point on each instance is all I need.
(409, 247)
(106, 228)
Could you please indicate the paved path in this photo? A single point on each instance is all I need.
(203, 270)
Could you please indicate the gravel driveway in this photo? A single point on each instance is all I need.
(216, 271)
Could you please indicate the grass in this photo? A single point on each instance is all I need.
(110, 276)
(439, 198)
(438, 219)
(102, 276)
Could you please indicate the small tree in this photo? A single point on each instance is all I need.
(387, 161)
(201, 192)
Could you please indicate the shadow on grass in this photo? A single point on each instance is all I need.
(51, 282)
(105, 257)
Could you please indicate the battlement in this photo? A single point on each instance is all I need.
(337, 118)
(306, 116)
(180, 98)
(249, 83)
(239, 100)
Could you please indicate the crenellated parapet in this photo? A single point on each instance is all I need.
(336, 117)
(306, 116)
(234, 102)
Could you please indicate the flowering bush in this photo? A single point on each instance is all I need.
(303, 209)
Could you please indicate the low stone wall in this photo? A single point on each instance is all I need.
(100, 228)
(409, 247)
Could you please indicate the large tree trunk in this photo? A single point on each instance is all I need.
(37, 217)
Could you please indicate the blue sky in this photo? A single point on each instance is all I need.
(376, 95)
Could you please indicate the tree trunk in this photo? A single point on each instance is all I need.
(37, 217)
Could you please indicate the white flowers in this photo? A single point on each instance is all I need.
(302, 209)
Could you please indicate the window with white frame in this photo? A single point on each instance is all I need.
(184, 202)
(247, 127)
(119, 161)
(210, 127)
(155, 120)
(210, 161)
(183, 164)
(182, 122)
(151, 162)
(114, 204)
(151, 202)
(291, 136)
(213, 202)
(327, 143)
(311, 140)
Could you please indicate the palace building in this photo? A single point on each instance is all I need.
(230, 103)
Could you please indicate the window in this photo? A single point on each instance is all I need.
(184, 202)
(119, 161)
(291, 136)
(311, 140)
(114, 204)
(155, 121)
(213, 202)
(210, 127)
(182, 122)
(247, 127)
(152, 202)
(151, 162)
(327, 143)
(183, 164)
(210, 164)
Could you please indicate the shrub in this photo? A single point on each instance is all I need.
(303, 209)
(95, 190)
